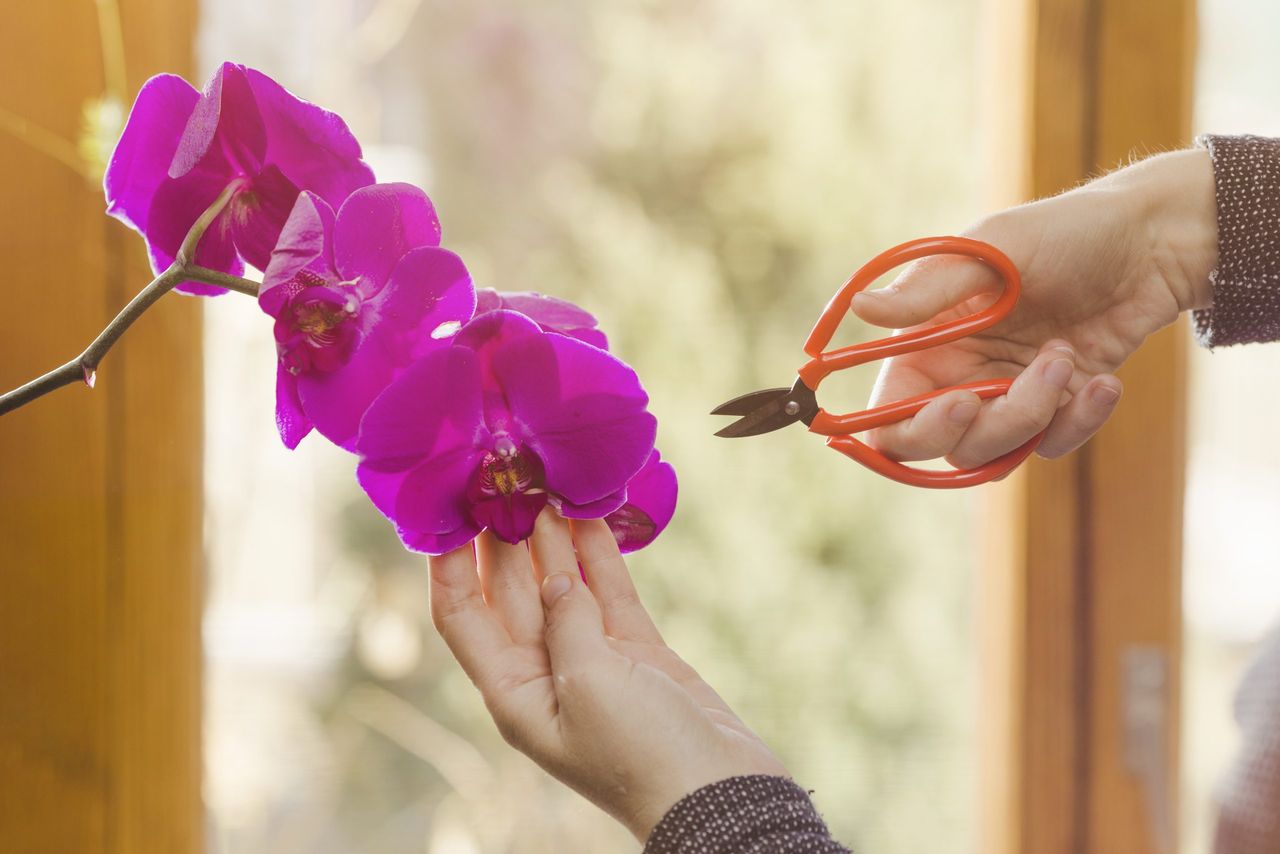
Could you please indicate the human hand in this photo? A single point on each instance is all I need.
(579, 679)
(1103, 266)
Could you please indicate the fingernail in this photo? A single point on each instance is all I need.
(1104, 395)
(1059, 371)
(963, 412)
(555, 586)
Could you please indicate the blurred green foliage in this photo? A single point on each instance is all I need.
(701, 174)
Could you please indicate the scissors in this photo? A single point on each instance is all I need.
(774, 408)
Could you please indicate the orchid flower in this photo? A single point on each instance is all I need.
(181, 148)
(651, 502)
(550, 313)
(485, 432)
(651, 492)
(356, 297)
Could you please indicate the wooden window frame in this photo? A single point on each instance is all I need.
(1083, 555)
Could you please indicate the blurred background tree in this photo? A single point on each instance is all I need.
(700, 174)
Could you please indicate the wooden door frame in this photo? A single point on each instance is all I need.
(1083, 555)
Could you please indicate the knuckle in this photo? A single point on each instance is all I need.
(625, 598)
(444, 611)
(1025, 420)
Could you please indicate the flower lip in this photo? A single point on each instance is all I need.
(314, 331)
(506, 490)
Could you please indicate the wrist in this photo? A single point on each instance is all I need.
(1177, 208)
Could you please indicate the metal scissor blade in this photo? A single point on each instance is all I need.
(768, 416)
(768, 410)
(745, 404)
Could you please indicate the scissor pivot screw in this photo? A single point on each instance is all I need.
(792, 408)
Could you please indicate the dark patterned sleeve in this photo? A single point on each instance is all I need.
(1246, 285)
(758, 814)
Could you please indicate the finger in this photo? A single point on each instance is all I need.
(551, 545)
(1027, 408)
(574, 628)
(609, 581)
(506, 576)
(932, 432)
(924, 290)
(473, 632)
(1082, 417)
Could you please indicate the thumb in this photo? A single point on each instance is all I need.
(575, 630)
(924, 290)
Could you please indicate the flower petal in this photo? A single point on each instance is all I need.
(225, 132)
(550, 313)
(259, 212)
(336, 400)
(178, 203)
(141, 158)
(433, 497)
(651, 502)
(485, 335)
(291, 421)
(581, 410)
(437, 544)
(594, 509)
(434, 404)
(376, 226)
(313, 147)
(490, 330)
(305, 243)
(429, 286)
(510, 517)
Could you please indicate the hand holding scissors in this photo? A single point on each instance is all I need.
(771, 409)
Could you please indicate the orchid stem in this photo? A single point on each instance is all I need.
(83, 368)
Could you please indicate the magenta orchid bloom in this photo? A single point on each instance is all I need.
(181, 148)
(651, 502)
(486, 432)
(651, 492)
(356, 298)
(550, 313)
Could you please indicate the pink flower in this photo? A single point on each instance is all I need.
(651, 492)
(486, 432)
(651, 502)
(356, 298)
(181, 148)
(550, 313)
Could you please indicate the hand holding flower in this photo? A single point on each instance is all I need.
(577, 676)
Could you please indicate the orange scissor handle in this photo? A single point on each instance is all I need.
(821, 363)
(838, 428)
